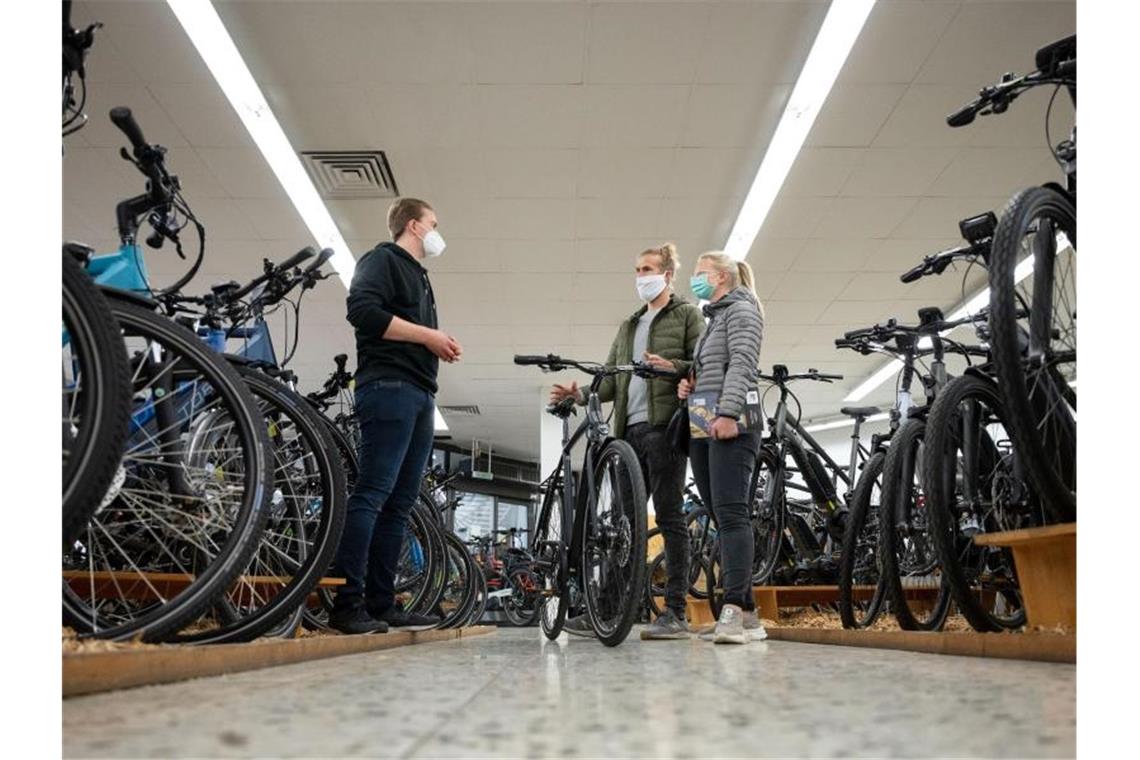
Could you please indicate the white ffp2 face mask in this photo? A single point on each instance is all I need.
(433, 244)
(650, 286)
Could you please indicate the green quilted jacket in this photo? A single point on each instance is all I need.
(672, 335)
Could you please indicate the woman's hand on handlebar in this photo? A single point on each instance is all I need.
(658, 362)
(560, 392)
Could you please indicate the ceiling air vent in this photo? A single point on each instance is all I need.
(460, 411)
(350, 173)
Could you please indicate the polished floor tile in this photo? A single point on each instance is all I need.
(514, 694)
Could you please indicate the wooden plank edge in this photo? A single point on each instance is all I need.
(94, 672)
(1041, 647)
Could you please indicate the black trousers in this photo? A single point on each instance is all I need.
(664, 472)
(723, 471)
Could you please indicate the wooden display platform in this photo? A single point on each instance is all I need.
(1043, 647)
(154, 586)
(92, 672)
(1046, 562)
(769, 599)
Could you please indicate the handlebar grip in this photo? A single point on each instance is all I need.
(853, 334)
(304, 254)
(1067, 69)
(122, 118)
(826, 376)
(324, 256)
(341, 360)
(530, 361)
(913, 274)
(963, 117)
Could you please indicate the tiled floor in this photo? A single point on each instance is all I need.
(514, 694)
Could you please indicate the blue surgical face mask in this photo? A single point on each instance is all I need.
(699, 284)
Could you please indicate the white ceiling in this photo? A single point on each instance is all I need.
(558, 139)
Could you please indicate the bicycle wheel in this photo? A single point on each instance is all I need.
(551, 556)
(320, 604)
(459, 591)
(859, 560)
(1033, 323)
(909, 569)
(306, 518)
(976, 487)
(521, 607)
(416, 582)
(96, 398)
(613, 543)
(768, 515)
(185, 521)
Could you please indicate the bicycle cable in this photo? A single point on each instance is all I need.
(1048, 137)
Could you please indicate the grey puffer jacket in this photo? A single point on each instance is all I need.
(727, 359)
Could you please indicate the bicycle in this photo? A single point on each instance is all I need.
(190, 496)
(590, 538)
(1033, 316)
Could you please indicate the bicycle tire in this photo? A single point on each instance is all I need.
(944, 424)
(621, 540)
(862, 529)
(556, 590)
(459, 579)
(318, 538)
(518, 618)
(100, 399)
(1049, 455)
(900, 459)
(213, 573)
(768, 519)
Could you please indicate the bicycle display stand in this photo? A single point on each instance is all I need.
(152, 586)
(769, 599)
(1046, 562)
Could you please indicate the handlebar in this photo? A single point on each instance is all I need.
(780, 375)
(122, 118)
(553, 363)
(1056, 64)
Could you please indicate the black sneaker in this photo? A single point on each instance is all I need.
(356, 620)
(579, 625)
(397, 617)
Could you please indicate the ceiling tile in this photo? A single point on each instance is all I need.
(732, 115)
(919, 119)
(203, 115)
(528, 44)
(852, 315)
(820, 287)
(645, 43)
(830, 255)
(898, 171)
(275, 219)
(794, 217)
(772, 254)
(646, 116)
(716, 172)
(758, 42)
(531, 116)
(157, 126)
(820, 172)
(863, 217)
(873, 286)
(1002, 171)
(625, 172)
(898, 255)
(531, 173)
(896, 39)
(853, 114)
(555, 257)
(242, 172)
(938, 217)
(602, 218)
(792, 312)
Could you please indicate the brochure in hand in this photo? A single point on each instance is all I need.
(703, 410)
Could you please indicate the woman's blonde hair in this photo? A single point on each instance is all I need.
(739, 272)
(666, 253)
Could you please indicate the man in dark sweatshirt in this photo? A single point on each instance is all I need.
(398, 344)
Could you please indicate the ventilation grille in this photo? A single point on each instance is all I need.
(460, 411)
(350, 173)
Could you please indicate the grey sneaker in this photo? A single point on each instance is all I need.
(730, 627)
(579, 626)
(753, 627)
(668, 625)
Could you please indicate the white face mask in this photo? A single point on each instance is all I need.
(650, 286)
(433, 244)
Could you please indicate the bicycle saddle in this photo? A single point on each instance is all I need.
(860, 411)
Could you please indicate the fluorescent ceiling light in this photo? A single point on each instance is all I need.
(440, 424)
(971, 306)
(221, 56)
(845, 422)
(837, 35)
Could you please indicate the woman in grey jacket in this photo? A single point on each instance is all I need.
(726, 369)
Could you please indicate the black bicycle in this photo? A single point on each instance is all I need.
(589, 543)
(1033, 293)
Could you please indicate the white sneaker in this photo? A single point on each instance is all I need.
(753, 627)
(730, 627)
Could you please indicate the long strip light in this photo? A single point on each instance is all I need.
(221, 56)
(833, 43)
(971, 306)
(846, 422)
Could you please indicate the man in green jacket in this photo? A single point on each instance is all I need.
(663, 332)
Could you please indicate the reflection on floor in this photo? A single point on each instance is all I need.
(514, 694)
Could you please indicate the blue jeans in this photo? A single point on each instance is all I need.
(397, 425)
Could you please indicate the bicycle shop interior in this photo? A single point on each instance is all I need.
(555, 143)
